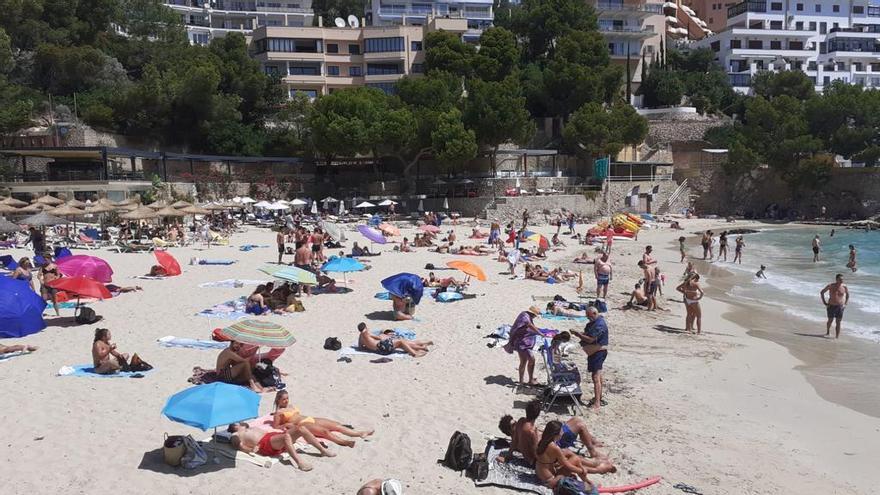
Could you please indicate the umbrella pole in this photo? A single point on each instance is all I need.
(214, 449)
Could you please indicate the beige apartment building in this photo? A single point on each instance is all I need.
(714, 12)
(319, 60)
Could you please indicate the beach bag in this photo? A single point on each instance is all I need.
(570, 486)
(332, 344)
(173, 449)
(479, 468)
(268, 375)
(194, 456)
(458, 454)
(85, 315)
(137, 364)
(600, 306)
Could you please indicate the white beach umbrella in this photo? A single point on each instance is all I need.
(341, 208)
(314, 207)
(421, 205)
(277, 206)
(248, 200)
(365, 204)
(261, 204)
(329, 199)
(298, 202)
(388, 202)
(445, 203)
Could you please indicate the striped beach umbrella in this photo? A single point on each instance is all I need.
(291, 274)
(259, 333)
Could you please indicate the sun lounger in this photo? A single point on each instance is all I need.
(161, 244)
(126, 247)
(88, 371)
(83, 241)
(562, 381)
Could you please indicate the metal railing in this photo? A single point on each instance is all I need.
(664, 207)
(639, 178)
(651, 8)
(747, 6)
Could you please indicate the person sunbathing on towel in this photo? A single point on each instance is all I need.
(381, 487)
(122, 290)
(405, 246)
(386, 344)
(106, 359)
(234, 369)
(325, 282)
(584, 258)
(562, 274)
(273, 443)
(476, 234)
(286, 417)
(561, 308)
(6, 349)
(556, 242)
(360, 251)
(157, 271)
(444, 248)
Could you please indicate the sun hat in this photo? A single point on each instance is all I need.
(533, 310)
(392, 487)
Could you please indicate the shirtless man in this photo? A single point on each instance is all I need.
(279, 239)
(637, 295)
(851, 264)
(234, 369)
(647, 257)
(817, 246)
(651, 284)
(838, 298)
(302, 257)
(273, 443)
(317, 241)
(603, 272)
(386, 343)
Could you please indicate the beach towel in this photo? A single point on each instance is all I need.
(515, 474)
(9, 355)
(449, 297)
(355, 350)
(202, 376)
(383, 296)
(171, 341)
(63, 305)
(229, 310)
(322, 290)
(552, 317)
(248, 247)
(216, 262)
(401, 333)
(87, 370)
(230, 283)
(149, 277)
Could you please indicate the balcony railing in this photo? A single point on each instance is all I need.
(740, 80)
(626, 29)
(747, 6)
(651, 8)
(870, 28)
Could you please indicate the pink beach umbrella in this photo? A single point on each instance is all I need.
(86, 266)
(430, 228)
(372, 234)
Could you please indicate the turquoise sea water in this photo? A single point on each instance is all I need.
(793, 281)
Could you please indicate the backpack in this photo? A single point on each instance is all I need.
(267, 375)
(600, 306)
(458, 454)
(332, 344)
(570, 486)
(479, 468)
(85, 315)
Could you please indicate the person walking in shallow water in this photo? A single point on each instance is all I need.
(738, 250)
(817, 246)
(851, 264)
(838, 298)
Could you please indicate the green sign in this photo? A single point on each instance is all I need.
(600, 168)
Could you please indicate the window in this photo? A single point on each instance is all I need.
(354, 49)
(716, 46)
(756, 45)
(857, 66)
(823, 27)
(826, 80)
(271, 70)
(799, 25)
(811, 65)
(416, 46)
(418, 68)
(818, 7)
(776, 45)
(775, 24)
(355, 71)
(795, 45)
(841, 65)
(332, 70)
(200, 38)
(311, 93)
(305, 70)
(776, 6)
(835, 8)
(378, 45)
(332, 48)
(388, 88)
(799, 7)
(383, 69)
(812, 26)
(858, 9)
(735, 44)
(289, 45)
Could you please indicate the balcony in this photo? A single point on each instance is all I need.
(740, 80)
(630, 32)
(619, 10)
(747, 6)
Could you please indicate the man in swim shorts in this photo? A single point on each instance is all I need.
(386, 344)
(837, 300)
(594, 341)
(274, 443)
(603, 271)
(817, 245)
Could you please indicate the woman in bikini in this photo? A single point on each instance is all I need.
(287, 417)
(49, 272)
(551, 461)
(23, 272)
(256, 304)
(692, 292)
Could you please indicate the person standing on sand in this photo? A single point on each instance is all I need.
(713, 241)
(692, 293)
(851, 264)
(603, 271)
(594, 342)
(682, 249)
(525, 217)
(817, 246)
(651, 284)
(522, 341)
(279, 239)
(704, 241)
(738, 252)
(838, 298)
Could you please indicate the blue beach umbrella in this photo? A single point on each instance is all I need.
(21, 309)
(405, 285)
(212, 405)
(343, 265)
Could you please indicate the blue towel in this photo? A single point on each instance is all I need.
(10, 355)
(8, 262)
(549, 316)
(216, 262)
(384, 296)
(193, 343)
(88, 371)
(449, 297)
(248, 247)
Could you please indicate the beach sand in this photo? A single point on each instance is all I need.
(725, 412)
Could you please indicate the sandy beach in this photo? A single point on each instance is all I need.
(726, 412)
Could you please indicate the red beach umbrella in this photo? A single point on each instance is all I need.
(166, 261)
(81, 286)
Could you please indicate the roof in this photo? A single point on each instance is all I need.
(98, 152)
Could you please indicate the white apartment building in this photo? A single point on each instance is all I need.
(829, 40)
(478, 13)
(207, 19)
(319, 60)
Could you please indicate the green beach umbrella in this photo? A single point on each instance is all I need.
(291, 274)
(259, 333)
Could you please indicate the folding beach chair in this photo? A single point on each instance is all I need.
(562, 381)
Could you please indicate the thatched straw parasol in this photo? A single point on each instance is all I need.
(49, 200)
(42, 219)
(35, 208)
(158, 205)
(213, 207)
(8, 227)
(76, 203)
(6, 209)
(139, 213)
(99, 207)
(181, 204)
(170, 212)
(10, 201)
(67, 211)
(195, 210)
